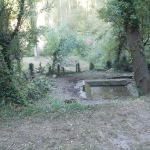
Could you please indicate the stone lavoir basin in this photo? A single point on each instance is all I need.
(110, 88)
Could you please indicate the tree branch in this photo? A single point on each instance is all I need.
(19, 18)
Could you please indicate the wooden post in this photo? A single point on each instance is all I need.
(91, 66)
(79, 70)
(78, 67)
(31, 69)
(58, 69)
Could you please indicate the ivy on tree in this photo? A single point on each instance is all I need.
(127, 15)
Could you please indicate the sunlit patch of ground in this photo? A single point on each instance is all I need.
(36, 61)
(69, 63)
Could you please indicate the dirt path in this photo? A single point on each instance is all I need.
(123, 125)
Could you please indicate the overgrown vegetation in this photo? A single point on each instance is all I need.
(61, 43)
(129, 18)
(12, 45)
(43, 108)
(36, 88)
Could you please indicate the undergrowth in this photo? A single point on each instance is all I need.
(36, 88)
(41, 108)
(50, 105)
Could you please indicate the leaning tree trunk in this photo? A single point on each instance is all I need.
(139, 63)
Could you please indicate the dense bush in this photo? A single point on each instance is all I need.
(29, 89)
(36, 88)
(9, 90)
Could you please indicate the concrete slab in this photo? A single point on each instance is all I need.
(110, 88)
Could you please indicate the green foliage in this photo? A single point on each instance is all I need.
(14, 44)
(10, 53)
(43, 108)
(6, 112)
(122, 14)
(123, 65)
(41, 69)
(8, 85)
(103, 50)
(126, 11)
(16, 89)
(147, 54)
(57, 104)
(60, 43)
(36, 88)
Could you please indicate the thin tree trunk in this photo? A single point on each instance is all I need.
(119, 50)
(60, 3)
(69, 6)
(36, 51)
(77, 3)
(139, 63)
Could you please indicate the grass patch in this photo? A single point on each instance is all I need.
(51, 105)
(6, 112)
(41, 108)
(47, 107)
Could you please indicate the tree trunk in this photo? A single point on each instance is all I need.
(139, 63)
(9, 91)
(69, 6)
(36, 51)
(118, 52)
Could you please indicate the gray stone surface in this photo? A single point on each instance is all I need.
(107, 88)
(78, 85)
(132, 89)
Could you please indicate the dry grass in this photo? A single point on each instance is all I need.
(70, 63)
(122, 126)
(36, 61)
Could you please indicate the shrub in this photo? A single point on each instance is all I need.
(36, 88)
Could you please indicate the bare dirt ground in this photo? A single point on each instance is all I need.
(120, 125)
(123, 126)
